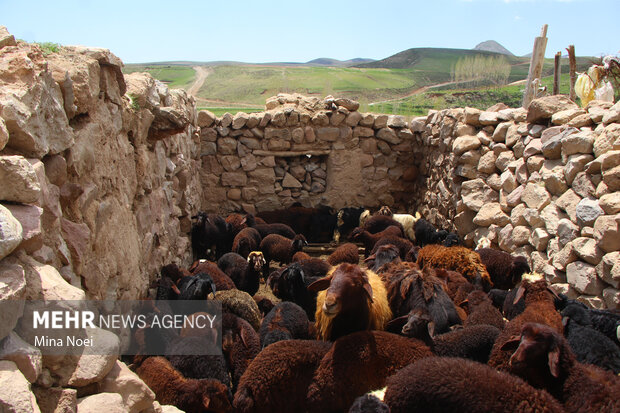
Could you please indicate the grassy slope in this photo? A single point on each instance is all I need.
(175, 76)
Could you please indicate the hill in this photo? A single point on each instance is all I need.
(493, 46)
(326, 61)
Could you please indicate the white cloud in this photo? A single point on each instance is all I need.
(517, 18)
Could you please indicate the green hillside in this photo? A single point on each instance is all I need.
(176, 76)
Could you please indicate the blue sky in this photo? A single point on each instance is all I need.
(269, 31)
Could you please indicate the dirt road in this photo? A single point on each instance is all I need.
(201, 76)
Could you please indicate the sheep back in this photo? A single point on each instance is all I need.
(347, 252)
(358, 363)
(278, 378)
(440, 384)
(241, 304)
(460, 259)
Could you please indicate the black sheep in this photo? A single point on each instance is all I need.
(368, 404)
(383, 255)
(589, 345)
(426, 233)
(504, 269)
(196, 287)
(286, 321)
(404, 245)
(245, 273)
(240, 344)
(348, 219)
(210, 231)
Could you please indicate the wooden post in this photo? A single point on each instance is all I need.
(536, 65)
(572, 60)
(557, 73)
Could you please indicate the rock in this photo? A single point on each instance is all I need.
(486, 164)
(15, 394)
(535, 196)
(575, 164)
(509, 183)
(491, 214)
(388, 135)
(607, 140)
(27, 358)
(18, 181)
(290, 182)
(240, 120)
(613, 115)
(136, 395)
(610, 166)
(609, 269)
(567, 231)
(465, 143)
(514, 198)
(521, 235)
(504, 159)
(396, 121)
(12, 291)
(542, 109)
(612, 298)
(472, 116)
(565, 256)
(551, 215)
(10, 232)
(532, 148)
(205, 118)
(582, 277)
(587, 211)
(29, 216)
(552, 174)
(565, 116)
(607, 234)
(506, 241)
(101, 403)
(610, 203)
(489, 118)
(348, 104)
(56, 399)
(539, 239)
(568, 202)
(6, 38)
(499, 135)
(476, 193)
(587, 250)
(581, 142)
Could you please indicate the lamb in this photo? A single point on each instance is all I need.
(482, 311)
(246, 241)
(244, 273)
(276, 381)
(426, 233)
(292, 283)
(347, 252)
(190, 395)
(504, 269)
(187, 355)
(347, 219)
(210, 231)
(349, 300)
(404, 246)
(539, 308)
(300, 256)
(544, 359)
(369, 239)
(240, 304)
(358, 363)
(589, 345)
(220, 279)
(408, 289)
(443, 384)
(240, 344)
(460, 259)
(378, 223)
(472, 342)
(286, 321)
(407, 220)
(278, 248)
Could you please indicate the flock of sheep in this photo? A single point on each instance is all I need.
(422, 323)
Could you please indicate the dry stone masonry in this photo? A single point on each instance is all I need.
(100, 174)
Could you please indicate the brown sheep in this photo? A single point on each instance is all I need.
(300, 256)
(539, 308)
(482, 311)
(369, 239)
(358, 363)
(545, 360)
(276, 381)
(221, 280)
(378, 223)
(504, 269)
(190, 395)
(344, 253)
(349, 300)
(246, 241)
(460, 259)
(278, 248)
(446, 384)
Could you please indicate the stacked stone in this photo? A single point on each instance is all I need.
(543, 183)
(255, 161)
(98, 181)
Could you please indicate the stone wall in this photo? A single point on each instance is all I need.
(543, 183)
(305, 150)
(99, 176)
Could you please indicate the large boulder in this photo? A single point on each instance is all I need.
(15, 394)
(18, 180)
(542, 109)
(10, 232)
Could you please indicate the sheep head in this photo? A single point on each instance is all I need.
(345, 285)
(215, 396)
(539, 346)
(518, 268)
(299, 242)
(385, 254)
(385, 210)
(256, 260)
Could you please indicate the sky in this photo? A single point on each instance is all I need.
(288, 31)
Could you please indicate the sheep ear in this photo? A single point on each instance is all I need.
(244, 339)
(320, 284)
(512, 344)
(405, 286)
(206, 401)
(431, 328)
(554, 362)
(368, 290)
(520, 292)
(553, 293)
(175, 289)
(464, 304)
(397, 323)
